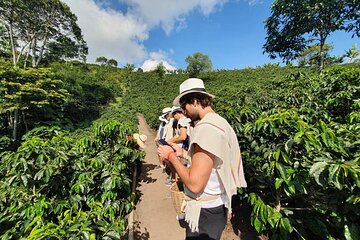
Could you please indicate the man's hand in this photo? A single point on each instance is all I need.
(164, 151)
(177, 149)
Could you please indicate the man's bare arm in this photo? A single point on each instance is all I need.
(196, 177)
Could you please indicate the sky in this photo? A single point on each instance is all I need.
(147, 32)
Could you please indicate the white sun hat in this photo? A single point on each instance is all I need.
(175, 109)
(140, 139)
(191, 85)
(165, 111)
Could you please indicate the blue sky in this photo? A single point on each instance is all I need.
(146, 32)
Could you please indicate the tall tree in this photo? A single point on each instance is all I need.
(4, 46)
(34, 25)
(353, 54)
(101, 60)
(10, 18)
(112, 62)
(311, 54)
(25, 92)
(129, 67)
(198, 62)
(294, 25)
(160, 70)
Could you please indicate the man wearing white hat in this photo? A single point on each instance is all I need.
(165, 126)
(216, 169)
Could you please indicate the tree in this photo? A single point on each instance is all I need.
(24, 93)
(198, 62)
(353, 53)
(294, 25)
(310, 56)
(4, 46)
(160, 70)
(102, 60)
(129, 67)
(34, 25)
(112, 62)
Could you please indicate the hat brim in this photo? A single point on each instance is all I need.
(176, 101)
(162, 118)
(138, 140)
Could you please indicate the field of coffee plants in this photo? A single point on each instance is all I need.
(299, 133)
(68, 177)
(70, 174)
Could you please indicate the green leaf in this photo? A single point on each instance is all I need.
(298, 135)
(285, 157)
(25, 180)
(39, 174)
(354, 174)
(289, 144)
(113, 235)
(316, 167)
(36, 219)
(274, 218)
(334, 172)
(259, 226)
(290, 189)
(277, 154)
(86, 234)
(108, 184)
(278, 182)
(325, 139)
(351, 232)
(285, 224)
(316, 171)
(282, 171)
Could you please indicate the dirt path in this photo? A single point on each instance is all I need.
(154, 214)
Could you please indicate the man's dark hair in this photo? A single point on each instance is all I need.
(204, 99)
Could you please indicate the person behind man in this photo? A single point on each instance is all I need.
(183, 128)
(181, 137)
(216, 169)
(165, 130)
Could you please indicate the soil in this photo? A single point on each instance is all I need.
(154, 213)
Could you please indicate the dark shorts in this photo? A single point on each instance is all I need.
(212, 222)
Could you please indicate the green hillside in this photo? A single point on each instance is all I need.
(149, 93)
(298, 131)
(299, 135)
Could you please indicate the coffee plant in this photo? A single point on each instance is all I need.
(299, 135)
(302, 164)
(57, 187)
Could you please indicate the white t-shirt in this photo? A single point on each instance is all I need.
(214, 185)
(183, 122)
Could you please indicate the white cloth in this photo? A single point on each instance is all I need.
(215, 135)
(168, 130)
(192, 214)
(184, 122)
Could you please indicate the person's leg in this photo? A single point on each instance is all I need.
(173, 173)
(161, 162)
(212, 222)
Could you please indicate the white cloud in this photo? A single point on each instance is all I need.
(155, 58)
(252, 2)
(109, 33)
(120, 35)
(170, 14)
(151, 64)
